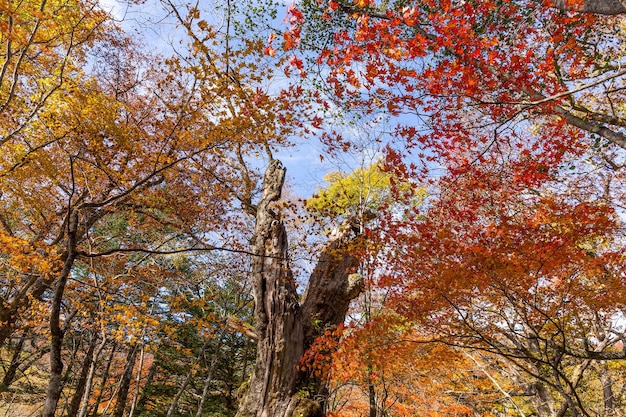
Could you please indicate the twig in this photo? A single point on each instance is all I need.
(495, 383)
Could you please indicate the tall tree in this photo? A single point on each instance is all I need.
(286, 327)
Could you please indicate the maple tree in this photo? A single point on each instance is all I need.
(535, 279)
(519, 105)
(464, 75)
(532, 277)
(376, 372)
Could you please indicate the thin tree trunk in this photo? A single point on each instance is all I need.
(81, 384)
(105, 377)
(207, 380)
(146, 388)
(7, 325)
(174, 404)
(55, 384)
(9, 375)
(73, 356)
(27, 363)
(122, 394)
(187, 380)
(90, 377)
(137, 382)
(607, 390)
(284, 328)
(372, 396)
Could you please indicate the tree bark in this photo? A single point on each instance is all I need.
(541, 399)
(82, 380)
(207, 380)
(90, 377)
(55, 383)
(122, 394)
(133, 405)
(603, 7)
(285, 329)
(105, 377)
(607, 390)
(372, 397)
(25, 364)
(11, 371)
(145, 392)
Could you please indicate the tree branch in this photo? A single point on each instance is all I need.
(603, 7)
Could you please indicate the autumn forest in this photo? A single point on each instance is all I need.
(342, 208)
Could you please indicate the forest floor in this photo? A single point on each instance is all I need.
(26, 395)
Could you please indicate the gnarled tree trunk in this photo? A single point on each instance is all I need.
(284, 327)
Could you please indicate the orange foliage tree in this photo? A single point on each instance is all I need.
(512, 113)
